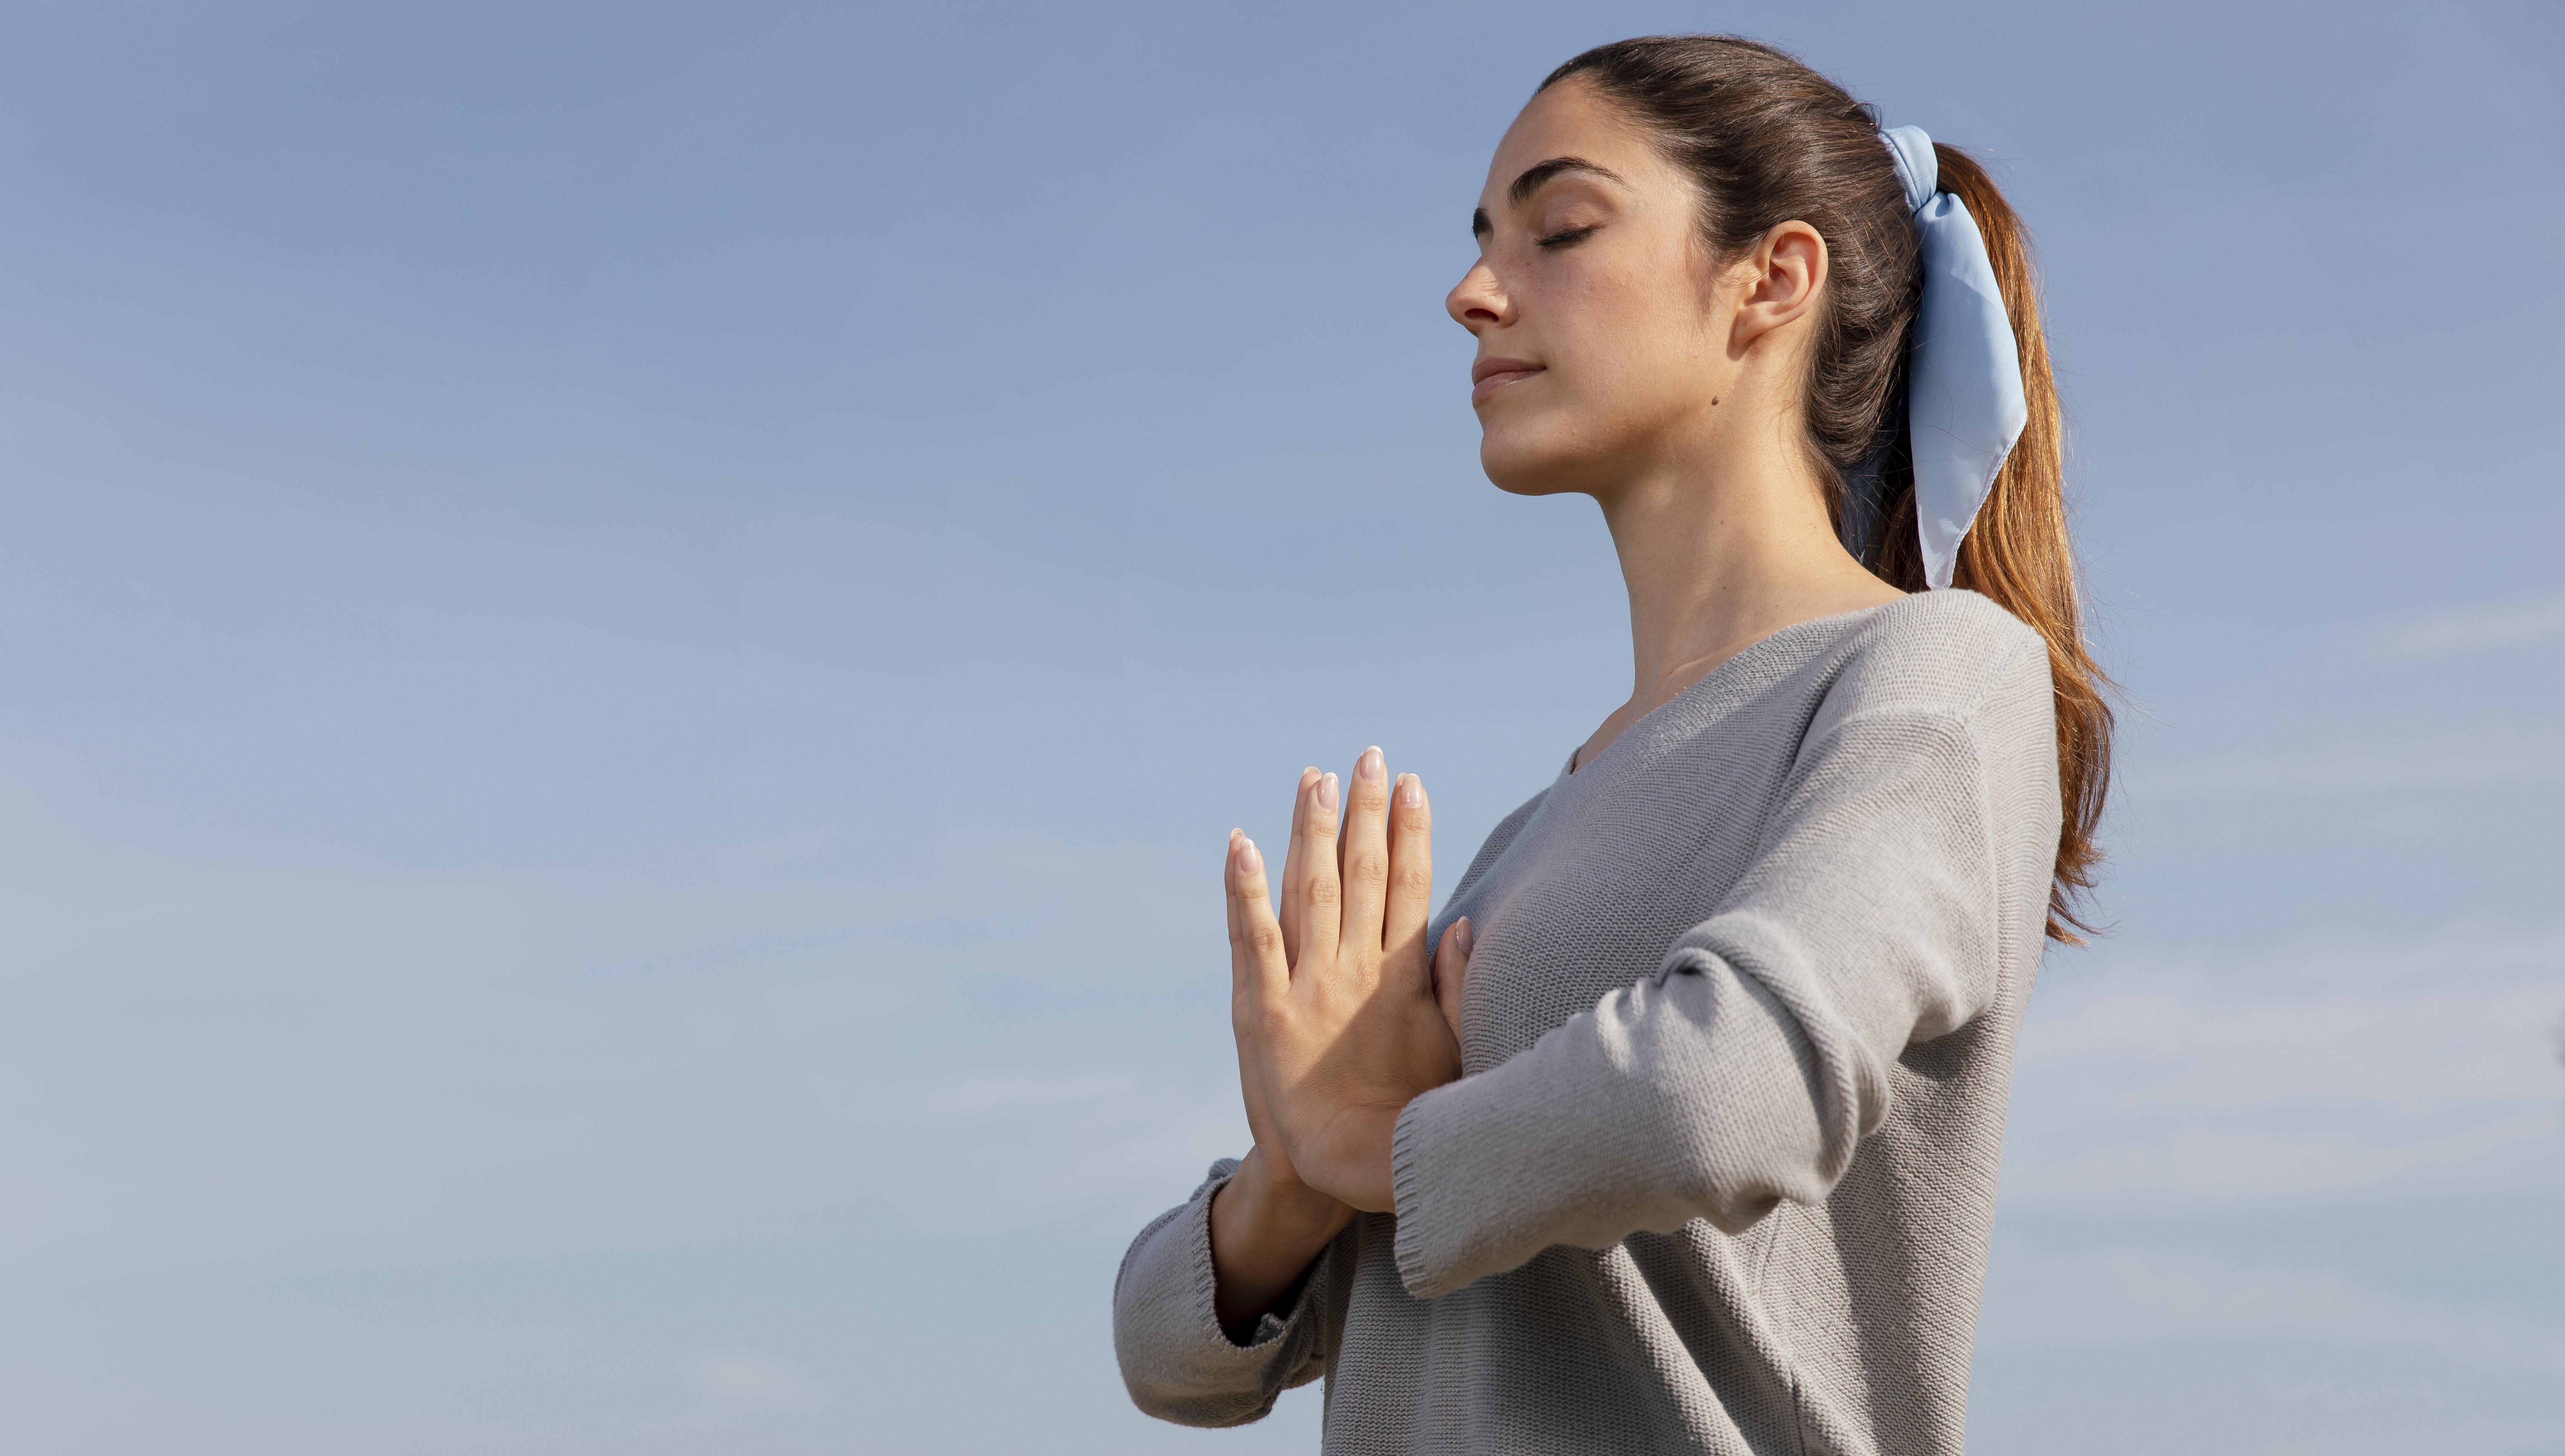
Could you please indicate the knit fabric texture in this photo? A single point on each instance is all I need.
(1719, 1171)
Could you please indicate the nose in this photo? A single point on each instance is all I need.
(1476, 301)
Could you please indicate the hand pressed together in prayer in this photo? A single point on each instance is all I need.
(1339, 1018)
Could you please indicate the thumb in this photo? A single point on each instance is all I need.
(1451, 968)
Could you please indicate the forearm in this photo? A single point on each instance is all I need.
(1264, 1234)
(1693, 1097)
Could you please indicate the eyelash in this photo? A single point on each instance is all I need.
(1568, 239)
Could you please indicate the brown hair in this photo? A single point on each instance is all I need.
(1769, 141)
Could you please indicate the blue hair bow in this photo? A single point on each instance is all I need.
(1964, 399)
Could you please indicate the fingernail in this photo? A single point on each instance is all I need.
(1370, 766)
(1461, 927)
(1248, 860)
(1327, 791)
(1411, 791)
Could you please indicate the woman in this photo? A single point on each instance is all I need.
(1678, 1130)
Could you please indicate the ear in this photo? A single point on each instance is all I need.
(1782, 276)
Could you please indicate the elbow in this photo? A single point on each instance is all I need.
(1770, 1100)
(1186, 1408)
(1735, 1188)
(1189, 1375)
(1167, 1388)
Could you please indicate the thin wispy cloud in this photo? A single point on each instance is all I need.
(740, 1379)
(2325, 1073)
(970, 1097)
(2479, 629)
(2492, 755)
(2134, 1295)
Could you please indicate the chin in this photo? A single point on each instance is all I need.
(1537, 457)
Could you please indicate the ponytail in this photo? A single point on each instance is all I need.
(2019, 553)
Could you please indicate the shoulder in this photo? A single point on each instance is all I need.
(1944, 682)
(1952, 661)
(1951, 651)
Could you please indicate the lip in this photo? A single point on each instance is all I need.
(1490, 375)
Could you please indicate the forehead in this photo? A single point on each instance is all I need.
(1569, 120)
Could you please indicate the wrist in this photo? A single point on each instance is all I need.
(1265, 1230)
(1280, 1207)
(1359, 1169)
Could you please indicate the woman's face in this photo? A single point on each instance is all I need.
(1603, 322)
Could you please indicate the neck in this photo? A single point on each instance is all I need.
(1720, 552)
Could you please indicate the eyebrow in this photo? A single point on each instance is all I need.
(1531, 180)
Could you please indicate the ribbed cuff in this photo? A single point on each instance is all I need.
(1206, 1276)
(1415, 1208)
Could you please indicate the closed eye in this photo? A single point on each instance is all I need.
(1570, 238)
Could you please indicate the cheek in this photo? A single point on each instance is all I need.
(1633, 350)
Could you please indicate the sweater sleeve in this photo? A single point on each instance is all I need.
(1910, 846)
(1177, 1361)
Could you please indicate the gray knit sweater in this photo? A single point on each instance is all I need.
(1719, 1173)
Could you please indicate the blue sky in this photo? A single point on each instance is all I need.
(627, 635)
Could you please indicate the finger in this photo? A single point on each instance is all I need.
(1296, 867)
(1411, 882)
(1264, 973)
(1244, 1007)
(1366, 849)
(1246, 1016)
(1451, 970)
(1239, 977)
(1319, 889)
